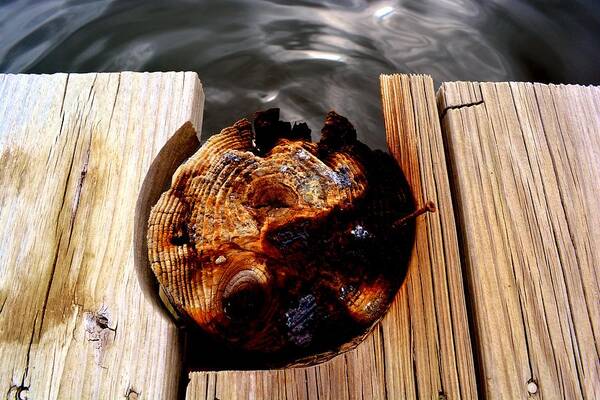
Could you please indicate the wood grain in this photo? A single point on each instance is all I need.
(74, 150)
(431, 314)
(525, 171)
(422, 348)
(524, 165)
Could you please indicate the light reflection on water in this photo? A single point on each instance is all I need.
(305, 56)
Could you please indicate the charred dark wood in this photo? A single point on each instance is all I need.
(279, 247)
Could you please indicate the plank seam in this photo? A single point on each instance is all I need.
(461, 239)
(380, 327)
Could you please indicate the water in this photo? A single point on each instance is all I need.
(306, 57)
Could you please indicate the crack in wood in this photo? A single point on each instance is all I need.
(347, 375)
(458, 107)
(47, 295)
(79, 188)
(112, 111)
(64, 96)
(92, 92)
(74, 208)
(22, 386)
(3, 303)
(383, 363)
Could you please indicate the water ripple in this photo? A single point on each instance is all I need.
(306, 57)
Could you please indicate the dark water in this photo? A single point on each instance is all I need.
(306, 56)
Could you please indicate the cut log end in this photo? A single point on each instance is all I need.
(279, 246)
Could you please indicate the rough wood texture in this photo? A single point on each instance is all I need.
(525, 170)
(430, 319)
(73, 152)
(422, 347)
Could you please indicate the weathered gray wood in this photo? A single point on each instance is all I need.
(525, 169)
(73, 152)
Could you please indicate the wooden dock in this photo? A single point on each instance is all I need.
(502, 296)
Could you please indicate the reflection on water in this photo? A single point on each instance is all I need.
(306, 56)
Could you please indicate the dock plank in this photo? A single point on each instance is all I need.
(74, 150)
(435, 311)
(525, 171)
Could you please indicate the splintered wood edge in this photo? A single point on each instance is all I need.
(183, 144)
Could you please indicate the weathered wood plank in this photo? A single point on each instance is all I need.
(421, 349)
(74, 150)
(432, 356)
(525, 171)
